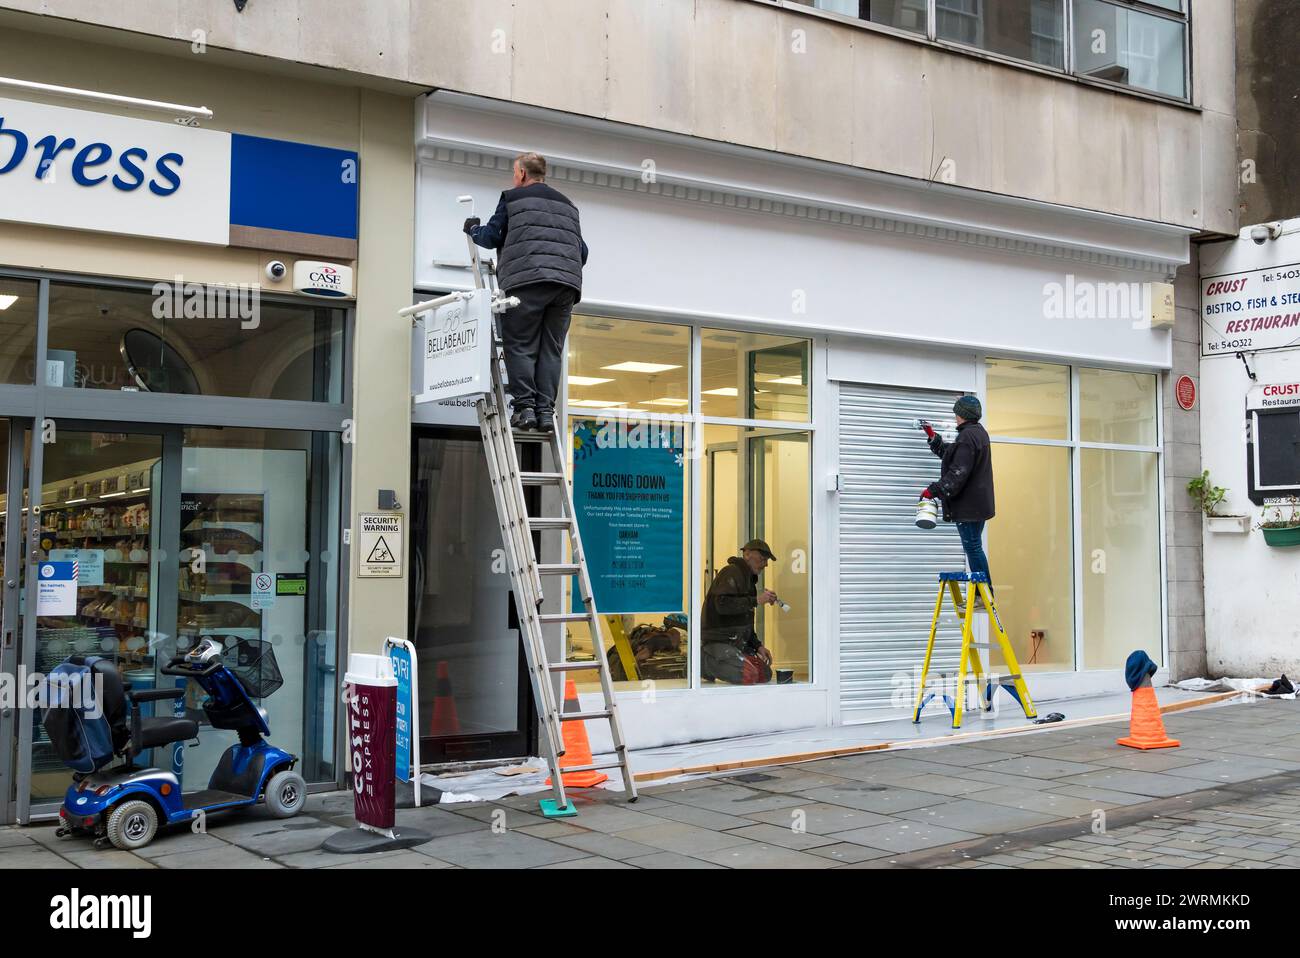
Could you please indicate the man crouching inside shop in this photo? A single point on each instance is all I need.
(731, 650)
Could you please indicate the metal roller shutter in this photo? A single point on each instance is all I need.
(888, 567)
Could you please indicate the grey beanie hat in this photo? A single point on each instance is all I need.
(968, 407)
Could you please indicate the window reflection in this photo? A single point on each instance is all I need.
(195, 340)
(753, 376)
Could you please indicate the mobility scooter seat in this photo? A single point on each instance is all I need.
(156, 732)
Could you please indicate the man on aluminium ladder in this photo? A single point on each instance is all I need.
(965, 485)
(540, 256)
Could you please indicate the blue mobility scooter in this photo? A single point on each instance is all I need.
(124, 805)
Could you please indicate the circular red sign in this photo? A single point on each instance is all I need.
(1186, 392)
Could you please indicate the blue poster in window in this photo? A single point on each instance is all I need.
(629, 494)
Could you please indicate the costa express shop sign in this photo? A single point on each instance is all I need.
(76, 169)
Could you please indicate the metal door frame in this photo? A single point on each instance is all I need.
(164, 611)
(9, 638)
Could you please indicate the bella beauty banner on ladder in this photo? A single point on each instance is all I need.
(629, 494)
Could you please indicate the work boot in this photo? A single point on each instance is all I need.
(545, 420)
(524, 420)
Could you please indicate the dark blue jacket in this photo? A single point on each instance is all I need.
(966, 483)
(541, 245)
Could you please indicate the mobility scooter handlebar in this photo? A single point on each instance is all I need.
(189, 668)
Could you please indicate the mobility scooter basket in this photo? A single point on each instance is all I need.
(252, 661)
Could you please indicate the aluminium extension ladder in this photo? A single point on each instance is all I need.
(527, 574)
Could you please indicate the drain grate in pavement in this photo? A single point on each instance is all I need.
(753, 777)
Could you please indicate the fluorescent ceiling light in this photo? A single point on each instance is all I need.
(666, 401)
(587, 381)
(7, 300)
(73, 502)
(788, 381)
(111, 495)
(635, 367)
(141, 489)
(595, 403)
(724, 391)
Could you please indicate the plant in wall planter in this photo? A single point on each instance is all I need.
(1209, 497)
(1280, 523)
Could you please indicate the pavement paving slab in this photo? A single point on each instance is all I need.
(1228, 798)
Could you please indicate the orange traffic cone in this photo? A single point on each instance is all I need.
(577, 750)
(1146, 728)
(444, 720)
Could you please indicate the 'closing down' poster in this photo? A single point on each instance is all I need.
(629, 492)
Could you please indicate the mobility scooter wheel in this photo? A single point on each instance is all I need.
(132, 825)
(286, 794)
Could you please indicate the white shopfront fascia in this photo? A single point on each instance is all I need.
(897, 282)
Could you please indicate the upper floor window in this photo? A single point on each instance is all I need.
(1135, 43)
(1124, 44)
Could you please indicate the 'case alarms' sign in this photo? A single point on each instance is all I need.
(327, 280)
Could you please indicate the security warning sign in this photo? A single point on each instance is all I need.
(379, 545)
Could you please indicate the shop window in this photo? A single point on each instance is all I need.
(1031, 550)
(754, 376)
(1034, 543)
(1123, 45)
(1117, 407)
(18, 308)
(265, 501)
(1121, 556)
(629, 366)
(628, 390)
(1027, 400)
(631, 491)
(194, 340)
(757, 485)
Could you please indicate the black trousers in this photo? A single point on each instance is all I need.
(533, 336)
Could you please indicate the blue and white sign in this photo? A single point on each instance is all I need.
(78, 169)
(56, 588)
(91, 562)
(629, 492)
(113, 174)
(262, 591)
(403, 669)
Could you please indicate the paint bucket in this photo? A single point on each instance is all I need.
(927, 514)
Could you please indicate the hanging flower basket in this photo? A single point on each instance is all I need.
(1280, 538)
(1280, 522)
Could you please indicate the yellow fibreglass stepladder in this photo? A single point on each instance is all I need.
(1014, 683)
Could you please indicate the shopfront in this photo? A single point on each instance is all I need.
(172, 412)
(756, 335)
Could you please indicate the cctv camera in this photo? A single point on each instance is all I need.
(1264, 232)
(276, 270)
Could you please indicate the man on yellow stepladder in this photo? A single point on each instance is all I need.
(965, 486)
